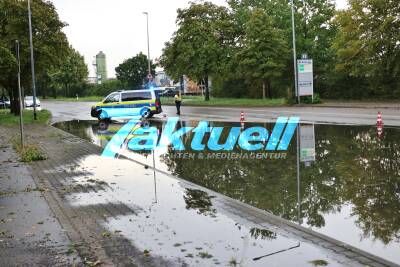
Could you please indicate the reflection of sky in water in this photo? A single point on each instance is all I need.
(183, 223)
(351, 192)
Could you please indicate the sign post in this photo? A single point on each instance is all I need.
(305, 77)
(307, 143)
(21, 108)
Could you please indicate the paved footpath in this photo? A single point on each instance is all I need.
(30, 233)
(84, 225)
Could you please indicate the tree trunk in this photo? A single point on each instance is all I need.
(207, 95)
(14, 101)
(264, 86)
(14, 106)
(269, 91)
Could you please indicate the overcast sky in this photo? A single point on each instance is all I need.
(118, 27)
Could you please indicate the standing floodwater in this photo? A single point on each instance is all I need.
(349, 180)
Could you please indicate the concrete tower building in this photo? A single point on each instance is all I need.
(101, 67)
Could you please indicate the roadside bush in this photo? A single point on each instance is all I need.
(29, 153)
(105, 88)
(311, 100)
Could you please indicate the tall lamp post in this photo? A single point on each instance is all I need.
(148, 46)
(32, 60)
(294, 54)
(21, 122)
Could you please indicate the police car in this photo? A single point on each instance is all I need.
(142, 103)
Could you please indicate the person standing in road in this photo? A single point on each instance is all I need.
(178, 102)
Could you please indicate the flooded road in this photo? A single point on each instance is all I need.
(346, 185)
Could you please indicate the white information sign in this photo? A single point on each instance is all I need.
(307, 142)
(305, 77)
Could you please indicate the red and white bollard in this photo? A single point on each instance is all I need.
(379, 119)
(242, 120)
(379, 125)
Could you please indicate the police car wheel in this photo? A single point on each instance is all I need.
(146, 113)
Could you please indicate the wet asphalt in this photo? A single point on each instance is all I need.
(175, 209)
(365, 114)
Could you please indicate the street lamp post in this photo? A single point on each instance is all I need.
(32, 60)
(21, 122)
(148, 45)
(294, 54)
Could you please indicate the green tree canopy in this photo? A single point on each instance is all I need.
(316, 32)
(8, 66)
(73, 71)
(200, 46)
(133, 71)
(50, 43)
(264, 51)
(368, 44)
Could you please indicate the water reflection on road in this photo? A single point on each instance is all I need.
(349, 180)
(184, 225)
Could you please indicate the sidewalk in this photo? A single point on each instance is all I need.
(357, 104)
(30, 234)
(87, 212)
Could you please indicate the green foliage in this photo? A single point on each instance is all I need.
(316, 31)
(311, 99)
(105, 88)
(240, 102)
(368, 45)
(8, 65)
(50, 43)
(133, 72)
(199, 48)
(6, 118)
(262, 56)
(73, 72)
(32, 153)
(246, 47)
(356, 51)
(28, 153)
(319, 262)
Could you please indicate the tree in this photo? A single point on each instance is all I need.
(199, 48)
(316, 32)
(368, 44)
(50, 43)
(73, 71)
(264, 51)
(134, 71)
(8, 66)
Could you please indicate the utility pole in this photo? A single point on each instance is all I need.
(148, 47)
(294, 54)
(21, 109)
(32, 60)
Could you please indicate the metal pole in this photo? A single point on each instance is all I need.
(154, 174)
(21, 122)
(298, 175)
(32, 60)
(294, 54)
(148, 43)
